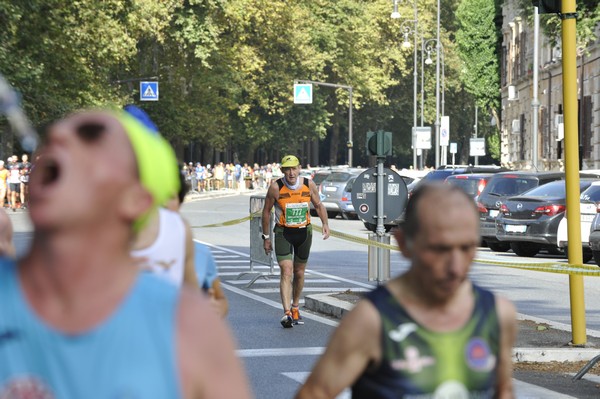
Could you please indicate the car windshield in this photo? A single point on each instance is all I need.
(468, 185)
(338, 177)
(319, 177)
(505, 186)
(591, 194)
(554, 189)
(439, 174)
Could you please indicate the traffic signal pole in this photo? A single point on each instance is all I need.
(569, 62)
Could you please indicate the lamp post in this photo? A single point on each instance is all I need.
(427, 46)
(395, 14)
(406, 44)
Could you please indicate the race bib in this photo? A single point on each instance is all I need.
(295, 214)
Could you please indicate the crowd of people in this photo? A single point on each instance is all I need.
(14, 182)
(233, 176)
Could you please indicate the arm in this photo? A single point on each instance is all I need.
(189, 269)
(208, 365)
(272, 196)
(214, 290)
(319, 207)
(354, 344)
(218, 298)
(508, 327)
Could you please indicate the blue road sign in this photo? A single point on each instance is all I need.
(148, 91)
(303, 93)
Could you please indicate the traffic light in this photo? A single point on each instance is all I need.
(548, 6)
(379, 143)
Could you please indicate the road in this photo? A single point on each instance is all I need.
(277, 359)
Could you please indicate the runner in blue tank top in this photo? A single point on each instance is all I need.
(77, 319)
(429, 333)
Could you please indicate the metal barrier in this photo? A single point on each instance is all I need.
(257, 252)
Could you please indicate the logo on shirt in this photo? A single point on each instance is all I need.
(402, 331)
(479, 356)
(413, 362)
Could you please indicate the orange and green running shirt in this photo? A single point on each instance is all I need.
(292, 209)
(419, 363)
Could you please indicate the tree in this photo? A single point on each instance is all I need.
(478, 40)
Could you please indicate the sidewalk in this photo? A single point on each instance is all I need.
(538, 340)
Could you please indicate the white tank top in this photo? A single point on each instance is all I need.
(166, 256)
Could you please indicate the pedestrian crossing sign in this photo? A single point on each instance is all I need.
(303, 93)
(148, 91)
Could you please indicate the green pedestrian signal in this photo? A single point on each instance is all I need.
(548, 6)
(379, 143)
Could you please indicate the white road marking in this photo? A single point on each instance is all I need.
(311, 289)
(267, 352)
(301, 376)
(277, 305)
(306, 281)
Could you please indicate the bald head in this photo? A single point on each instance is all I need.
(437, 201)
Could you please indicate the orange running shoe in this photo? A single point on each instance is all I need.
(296, 315)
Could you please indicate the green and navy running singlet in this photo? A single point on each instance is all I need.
(419, 363)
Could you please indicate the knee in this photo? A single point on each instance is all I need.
(299, 273)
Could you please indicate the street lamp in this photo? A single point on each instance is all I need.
(395, 13)
(428, 47)
(406, 44)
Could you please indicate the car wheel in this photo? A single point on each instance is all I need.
(346, 216)
(313, 213)
(596, 255)
(527, 249)
(331, 214)
(498, 246)
(586, 256)
(556, 251)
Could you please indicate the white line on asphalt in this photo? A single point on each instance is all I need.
(306, 281)
(245, 261)
(525, 390)
(369, 286)
(277, 305)
(268, 352)
(311, 289)
(301, 376)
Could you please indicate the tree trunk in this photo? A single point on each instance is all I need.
(335, 139)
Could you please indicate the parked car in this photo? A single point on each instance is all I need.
(441, 173)
(529, 222)
(594, 239)
(499, 187)
(472, 184)
(588, 204)
(335, 192)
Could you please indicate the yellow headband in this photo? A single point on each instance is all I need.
(156, 161)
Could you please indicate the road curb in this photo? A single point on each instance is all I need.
(330, 306)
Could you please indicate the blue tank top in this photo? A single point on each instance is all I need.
(130, 355)
(420, 363)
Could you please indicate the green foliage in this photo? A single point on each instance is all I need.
(226, 68)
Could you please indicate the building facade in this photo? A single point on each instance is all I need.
(517, 92)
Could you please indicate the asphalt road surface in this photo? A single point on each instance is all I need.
(277, 360)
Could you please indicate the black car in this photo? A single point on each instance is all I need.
(499, 187)
(529, 222)
(472, 184)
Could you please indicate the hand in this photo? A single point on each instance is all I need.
(325, 231)
(268, 246)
